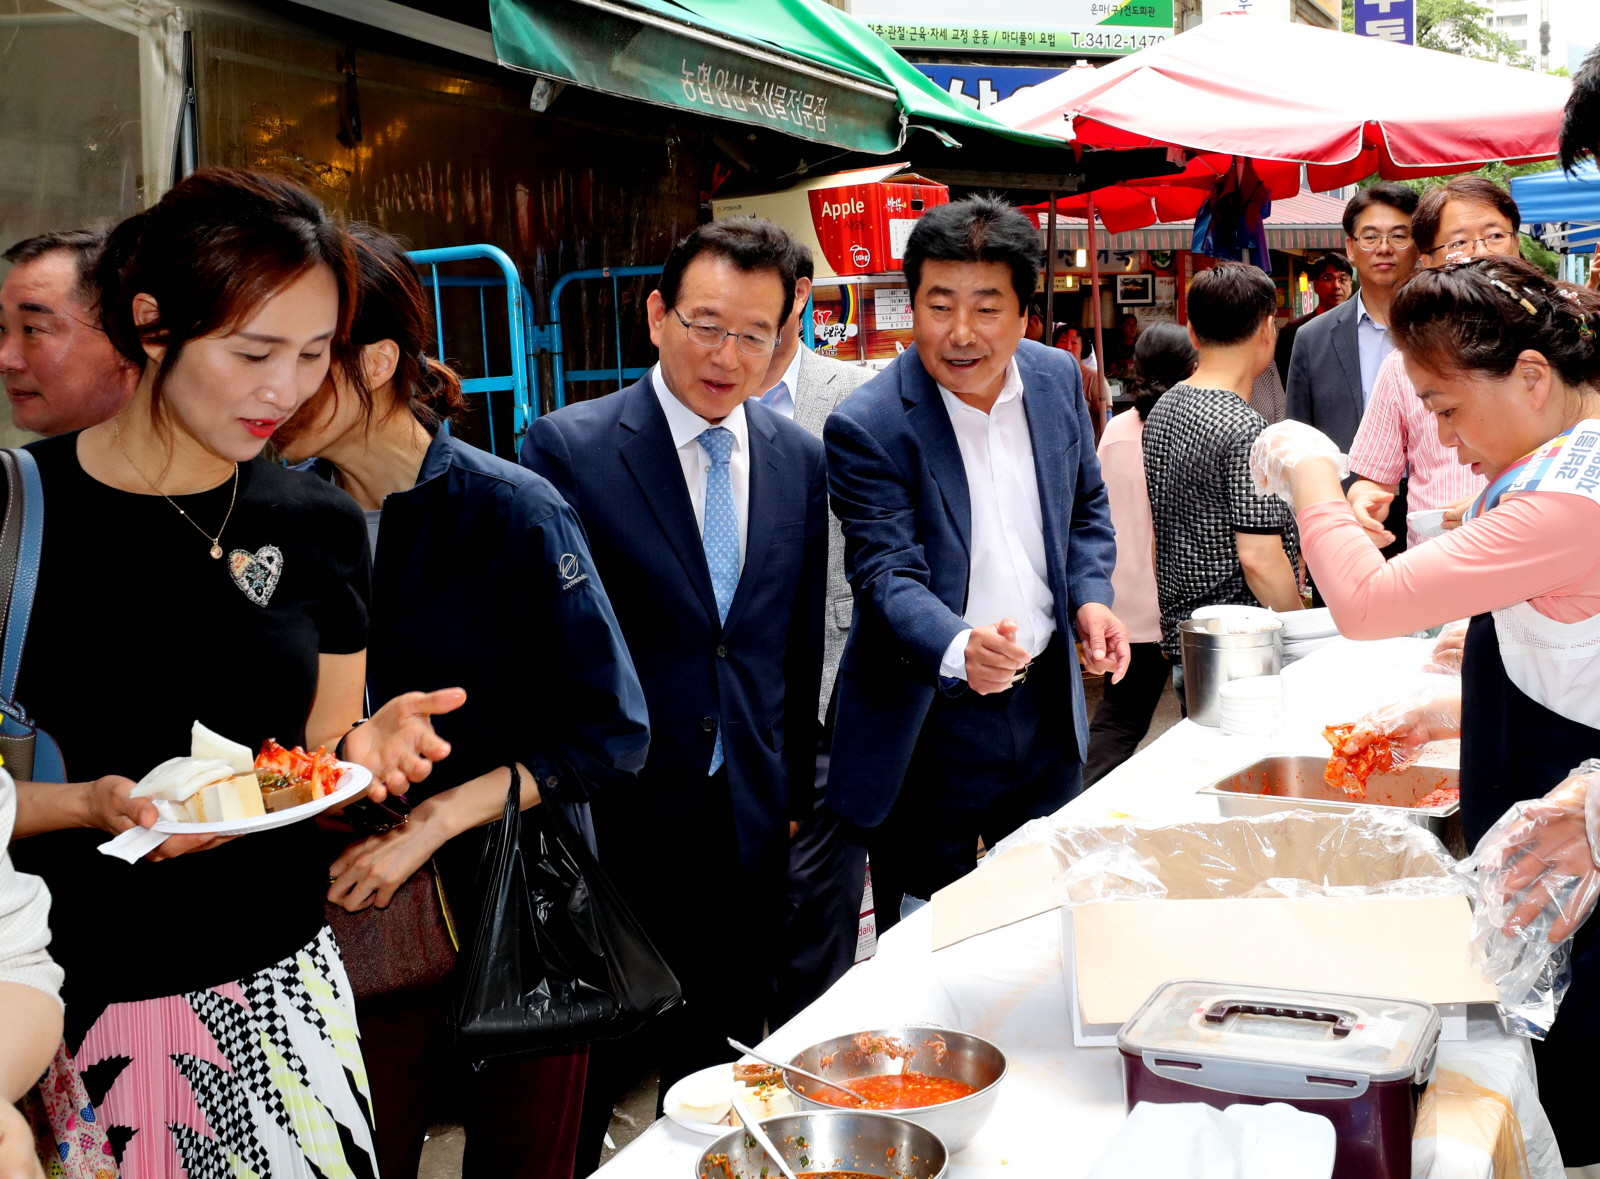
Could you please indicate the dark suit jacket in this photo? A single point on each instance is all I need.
(899, 488)
(1324, 387)
(613, 461)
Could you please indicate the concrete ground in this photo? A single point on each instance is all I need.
(632, 1115)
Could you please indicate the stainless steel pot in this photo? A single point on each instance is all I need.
(937, 1052)
(832, 1140)
(1285, 782)
(1211, 658)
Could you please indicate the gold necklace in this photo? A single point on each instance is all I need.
(216, 546)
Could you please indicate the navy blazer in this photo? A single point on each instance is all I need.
(758, 675)
(1324, 387)
(899, 488)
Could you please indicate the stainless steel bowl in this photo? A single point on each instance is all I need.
(964, 1057)
(831, 1140)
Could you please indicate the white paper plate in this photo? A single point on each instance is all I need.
(670, 1106)
(1308, 624)
(1428, 522)
(1252, 688)
(1302, 647)
(353, 782)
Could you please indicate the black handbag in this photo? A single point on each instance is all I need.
(556, 958)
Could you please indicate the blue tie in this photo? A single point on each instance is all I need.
(720, 536)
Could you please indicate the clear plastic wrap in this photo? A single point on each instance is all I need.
(1536, 880)
(1293, 853)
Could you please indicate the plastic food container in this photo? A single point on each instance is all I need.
(1360, 1062)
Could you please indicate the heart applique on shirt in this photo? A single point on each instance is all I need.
(257, 573)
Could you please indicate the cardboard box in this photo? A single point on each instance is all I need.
(1223, 918)
(855, 222)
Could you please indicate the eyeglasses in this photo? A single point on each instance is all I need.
(1496, 241)
(710, 335)
(1400, 239)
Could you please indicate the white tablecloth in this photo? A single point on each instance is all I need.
(1062, 1105)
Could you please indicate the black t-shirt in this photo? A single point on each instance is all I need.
(137, 632)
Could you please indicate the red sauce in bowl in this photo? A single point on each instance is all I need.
(905, 1091)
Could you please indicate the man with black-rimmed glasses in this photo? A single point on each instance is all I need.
(1338, 354)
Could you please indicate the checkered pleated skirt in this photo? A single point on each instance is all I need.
(260, 1077)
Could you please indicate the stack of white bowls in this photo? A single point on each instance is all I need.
(1304, 631)
(1251, 707)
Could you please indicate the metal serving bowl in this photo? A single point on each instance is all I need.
(831, 1140)
(966, 1057)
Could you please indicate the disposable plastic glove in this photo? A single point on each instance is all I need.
(1537, 865)
(1279, 447)
(1433, 715)
(1448, 651)
(1537, 882)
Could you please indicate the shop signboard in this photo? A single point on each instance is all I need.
(1387, 20)
(1098, 27)
(981, 86)
(607, 49)
(854, 222)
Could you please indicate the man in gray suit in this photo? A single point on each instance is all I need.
(826, 872)
(1337, 355)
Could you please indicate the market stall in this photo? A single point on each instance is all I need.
(1062, 1105)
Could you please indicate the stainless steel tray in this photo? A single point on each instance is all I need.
(1287, 783)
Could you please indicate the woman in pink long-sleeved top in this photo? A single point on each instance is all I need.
(1509, 363)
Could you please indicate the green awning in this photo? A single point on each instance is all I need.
(796, 66)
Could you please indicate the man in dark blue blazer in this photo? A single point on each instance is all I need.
(708, 520)
(1336, 357)
(977, 541)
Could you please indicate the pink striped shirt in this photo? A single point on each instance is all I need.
(1398, 436)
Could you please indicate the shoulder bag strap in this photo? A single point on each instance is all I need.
(21, 534)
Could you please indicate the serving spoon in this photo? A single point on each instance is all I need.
(753, 1128)
(795, 1069)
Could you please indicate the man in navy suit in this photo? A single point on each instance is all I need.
(977, 540)
(708, 519)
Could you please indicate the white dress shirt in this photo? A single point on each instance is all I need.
(1007, 577)
(686, 427)
(781, 396)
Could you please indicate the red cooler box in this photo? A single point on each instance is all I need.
(1358, 1061)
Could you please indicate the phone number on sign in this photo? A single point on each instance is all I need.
(1108, 40)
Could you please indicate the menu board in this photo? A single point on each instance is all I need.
(891, 308)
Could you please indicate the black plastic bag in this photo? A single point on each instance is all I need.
(557, 959)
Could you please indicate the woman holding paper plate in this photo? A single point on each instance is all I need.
(1508, 361)
(184, 577)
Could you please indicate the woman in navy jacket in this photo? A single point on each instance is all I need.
(481, 577)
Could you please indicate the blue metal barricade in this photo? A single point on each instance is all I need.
(524, 408)
(549, 339)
